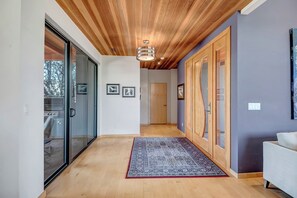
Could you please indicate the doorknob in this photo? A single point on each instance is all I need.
(165, 105)
(72, 112)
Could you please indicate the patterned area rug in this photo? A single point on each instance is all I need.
(169, 157)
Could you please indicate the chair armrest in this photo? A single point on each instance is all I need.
(280, 167)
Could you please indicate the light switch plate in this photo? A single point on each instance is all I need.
(254, 106)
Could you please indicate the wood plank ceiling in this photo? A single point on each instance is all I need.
(173, 27)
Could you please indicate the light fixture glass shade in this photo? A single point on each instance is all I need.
(145, 53)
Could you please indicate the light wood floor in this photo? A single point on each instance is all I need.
(100, 172)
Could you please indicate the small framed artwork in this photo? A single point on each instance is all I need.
(128, 92)
(180, 92)
(112, 89)
(81, 89)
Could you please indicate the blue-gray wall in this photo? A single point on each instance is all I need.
(263, 76)
(260, 72)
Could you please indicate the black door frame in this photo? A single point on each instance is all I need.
(67, 104)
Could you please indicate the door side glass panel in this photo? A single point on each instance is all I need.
(220, 97)
(204, 90)
(54, 103)
(91, 97)
(78, 101)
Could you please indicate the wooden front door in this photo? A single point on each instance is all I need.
(208, 99)
(202, 81)
(158, 103)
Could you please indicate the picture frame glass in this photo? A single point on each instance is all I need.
(113, 89)
(180, 92)
(129, 92)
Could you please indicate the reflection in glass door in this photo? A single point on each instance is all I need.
(82, 101)
(54, 104)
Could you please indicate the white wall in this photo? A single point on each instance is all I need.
(10, 104)
(21, 115)
(21, 82)
(31, 132)
(144, 102)
(159, 76)
(120, 115)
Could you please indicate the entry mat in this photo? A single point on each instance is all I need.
(169, 157)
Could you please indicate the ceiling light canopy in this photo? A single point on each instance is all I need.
(145, 53)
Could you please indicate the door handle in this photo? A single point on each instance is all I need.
(165, 105)
(72, 112)
(208, 110)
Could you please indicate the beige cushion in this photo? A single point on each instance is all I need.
(288, 140)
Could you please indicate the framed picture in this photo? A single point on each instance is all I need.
(81, 88)
(180, 92)
(128, 92)
(112, 89)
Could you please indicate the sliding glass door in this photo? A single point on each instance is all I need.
(70, 95)
(82, 101)
(92, 98)
(54, 103)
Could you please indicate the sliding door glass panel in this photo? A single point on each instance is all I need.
(204, 90)
(220, 98)
(91, 96)
(54, 103)
(78, 101)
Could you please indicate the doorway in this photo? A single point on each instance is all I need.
(158, 103)
(208, 99)
(70, 107)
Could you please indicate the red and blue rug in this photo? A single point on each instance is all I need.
(169, 157)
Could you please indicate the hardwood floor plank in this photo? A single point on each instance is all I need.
(100, 172)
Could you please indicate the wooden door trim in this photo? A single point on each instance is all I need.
(189, 112)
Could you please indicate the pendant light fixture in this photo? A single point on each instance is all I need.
(145, 53)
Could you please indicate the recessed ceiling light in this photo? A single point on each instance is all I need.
(159, 63)
(162, 58)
